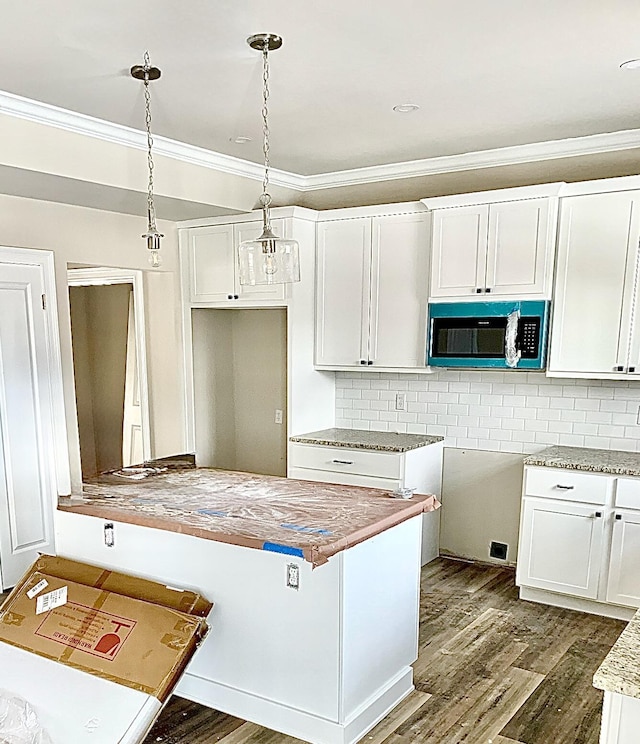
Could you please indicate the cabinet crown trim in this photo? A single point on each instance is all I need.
(494, 197)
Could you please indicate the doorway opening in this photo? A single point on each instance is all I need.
(107, 330)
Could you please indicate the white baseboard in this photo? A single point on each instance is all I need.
(294, 722)
(541, 596)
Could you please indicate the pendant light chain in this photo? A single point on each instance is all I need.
(266, 198)
(147, 103)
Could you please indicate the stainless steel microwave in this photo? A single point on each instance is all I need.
(495, 334)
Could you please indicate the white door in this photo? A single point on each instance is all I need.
(459, 251)
(27, 485)
(132, 437)
(342, 292)
(594, 283)
(399, 282)
(518, 249)
(623, 586)
(560, 547)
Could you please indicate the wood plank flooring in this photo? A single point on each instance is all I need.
(491, 669)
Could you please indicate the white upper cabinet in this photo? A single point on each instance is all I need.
(499, 243)
(213, 264)
(595, 324)
(372, 276)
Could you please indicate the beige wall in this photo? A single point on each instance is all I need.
(481, 494)
(240, 379)
(95, 238)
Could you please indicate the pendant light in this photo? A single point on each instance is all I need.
(146, 73)
(267, 259)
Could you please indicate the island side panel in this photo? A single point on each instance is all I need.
(381, 598)
(266, 641)
(423, 471)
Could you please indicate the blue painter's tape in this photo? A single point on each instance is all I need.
(312, 530)
(286, 549)
(212, 512)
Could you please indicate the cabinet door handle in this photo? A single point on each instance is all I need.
(598, 515)
(488, 290)
(619, 368)
(478, 290)
(618, 517)
(236, 297)
(370, 362)
(229, 297)
(363, 361)
(560, 487)
(343, 462)
(631, 369)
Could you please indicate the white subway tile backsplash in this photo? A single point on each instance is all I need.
(494, 410)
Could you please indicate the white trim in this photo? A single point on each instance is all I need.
(499, 195)
(59, 462)
(592, 606)
(300, 213)
(43, 113)
(102, 276)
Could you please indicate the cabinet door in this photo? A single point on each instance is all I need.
(342, 294)
(251, 231)
(623, 586)
(560, 547)
(459, 251)
(520, 248)
(399, 280)
(212, 263)
(598, 235)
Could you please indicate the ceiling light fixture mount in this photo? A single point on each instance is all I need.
(267, 259)
(147, 73)
(406, 108)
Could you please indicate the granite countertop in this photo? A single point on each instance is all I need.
(615, 462)
(620, 671)
(382, 441)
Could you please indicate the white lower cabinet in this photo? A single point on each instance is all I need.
(561, 547)
(420, 469)
(620, 719)
(580, 540)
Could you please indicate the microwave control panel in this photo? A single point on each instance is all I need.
(529, 337)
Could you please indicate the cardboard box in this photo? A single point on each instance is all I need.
(122, 641)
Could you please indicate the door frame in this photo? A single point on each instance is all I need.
(56, 451)
(101, 276)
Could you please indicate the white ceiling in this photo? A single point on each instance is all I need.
(485, 75)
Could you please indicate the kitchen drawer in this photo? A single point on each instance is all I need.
(345, 460)
(568, 485)
(343, 479)
(628, 493)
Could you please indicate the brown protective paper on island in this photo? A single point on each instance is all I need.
(315, 520)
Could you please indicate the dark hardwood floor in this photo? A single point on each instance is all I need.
(491, 670)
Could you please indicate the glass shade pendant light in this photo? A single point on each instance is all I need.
(267, 259)
(146, 73)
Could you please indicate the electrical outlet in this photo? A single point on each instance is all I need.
(401, 401)
(278, 417)
(293, 576)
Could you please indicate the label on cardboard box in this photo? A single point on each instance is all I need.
(39, 587)
(50, 600)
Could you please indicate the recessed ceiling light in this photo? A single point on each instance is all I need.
(406, 108)
(630, 64)
(241, 140)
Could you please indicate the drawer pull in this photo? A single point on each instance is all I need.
(564, 488)
(618, 516)
(343, 462)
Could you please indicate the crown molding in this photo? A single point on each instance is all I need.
(71, 121)
(627, 139)
(44, 113)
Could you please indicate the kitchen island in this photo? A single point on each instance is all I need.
(316, 588)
